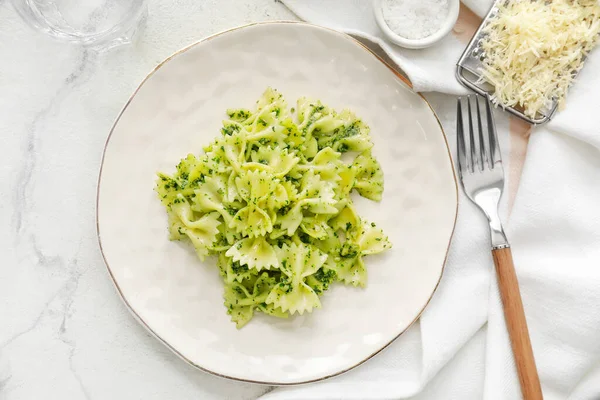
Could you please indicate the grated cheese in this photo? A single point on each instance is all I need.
(533, 48)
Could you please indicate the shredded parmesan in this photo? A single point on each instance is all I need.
(532, 49)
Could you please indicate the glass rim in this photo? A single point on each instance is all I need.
(31, 15)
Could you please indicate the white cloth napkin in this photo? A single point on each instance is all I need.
(460, 347)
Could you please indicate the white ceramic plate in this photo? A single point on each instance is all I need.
(179, 108)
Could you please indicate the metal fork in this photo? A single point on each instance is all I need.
(482, 178)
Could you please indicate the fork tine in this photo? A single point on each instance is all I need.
(473, 159)
(492, 135)
(482, 148)
(460, 139)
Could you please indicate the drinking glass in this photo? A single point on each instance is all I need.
(97, 24)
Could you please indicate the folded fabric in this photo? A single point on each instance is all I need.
(460, 348)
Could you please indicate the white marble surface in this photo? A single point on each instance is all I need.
(65, 333)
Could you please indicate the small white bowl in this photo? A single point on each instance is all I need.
(427, 41)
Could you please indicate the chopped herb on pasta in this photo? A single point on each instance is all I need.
(271, 199)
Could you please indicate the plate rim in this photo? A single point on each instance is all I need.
(403, 79)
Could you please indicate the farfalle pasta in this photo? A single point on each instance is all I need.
(270, 198)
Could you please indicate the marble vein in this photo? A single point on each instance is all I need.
(27, 242)
(71, 286)
(65, 289)
(3, 382)
(21, 196)
(65, 298)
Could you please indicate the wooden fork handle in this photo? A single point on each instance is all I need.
(517, 324)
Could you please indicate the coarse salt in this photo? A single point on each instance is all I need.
(415, 19)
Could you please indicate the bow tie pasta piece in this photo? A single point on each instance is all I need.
(202, 232)
(320, 281)
(242, 299)
(348, 134)
(326, 163)
(240, 304)
(230, 194)
(279, 198)
(274, 102)
(232, 271)
(255, 186)
(370, 239)
(225, 153)
(254, 253)
(347, 176)
(182, 183)
(210, 196)
(226, 237)
(270, 197)
(252, 221)
(291, 220)
(368, 176)
(309, 112)
(290, 190)
(351, 270)
(239, 115)
(317, 226)
(315, 120)
(346, 219)
(293, 137)
(274, 135)
(317, 195)
(360, 241)
(293, 294)
(265, 125)
(274, 160)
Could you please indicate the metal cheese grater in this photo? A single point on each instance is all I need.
(470, 62)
